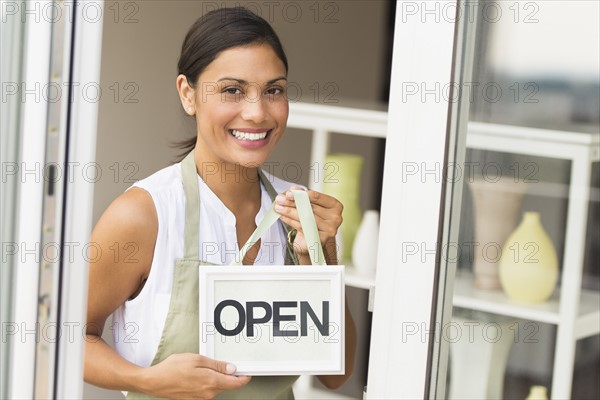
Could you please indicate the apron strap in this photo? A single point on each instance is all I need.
(309, 227)
(191, 189)
(192, 209)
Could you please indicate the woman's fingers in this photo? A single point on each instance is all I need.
(188, 375)
(219, 366)
(333, 215)
(225, 379)
(320, 202)
(294, 223)
(230, 382)
(326, 226)
(316, 198)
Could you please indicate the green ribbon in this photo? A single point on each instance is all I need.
(307, 221)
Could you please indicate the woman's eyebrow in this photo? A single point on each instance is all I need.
(281, 78)
(244, 82)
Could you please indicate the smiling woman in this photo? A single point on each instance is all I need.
(232, 79)
(239, 102)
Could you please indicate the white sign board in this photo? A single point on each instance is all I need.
(273, 320)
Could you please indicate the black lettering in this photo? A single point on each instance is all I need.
(323, 327)
(250, 315)
(217, 318)
(277, 318)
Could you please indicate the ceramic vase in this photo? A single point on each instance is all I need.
(479, 349)
(341, 180)
(529, 265)
(364, 251)
(496, 209)
(537, 393)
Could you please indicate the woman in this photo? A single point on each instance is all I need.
(232, 78)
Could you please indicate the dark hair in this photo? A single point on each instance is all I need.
(219, 30)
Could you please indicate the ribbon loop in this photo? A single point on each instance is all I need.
(309, 227)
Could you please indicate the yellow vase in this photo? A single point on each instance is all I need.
(529, 267)
(537, 393)
(342, 180)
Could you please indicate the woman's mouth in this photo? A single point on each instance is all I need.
(253, 136)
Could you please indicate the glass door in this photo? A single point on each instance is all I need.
(525, 300)
(489, 281)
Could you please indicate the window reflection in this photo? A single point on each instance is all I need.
(537, 65)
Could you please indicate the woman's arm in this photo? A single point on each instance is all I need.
(130, 222)
(125, 236)
(328, 215)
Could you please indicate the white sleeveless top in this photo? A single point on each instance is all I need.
(138, 323)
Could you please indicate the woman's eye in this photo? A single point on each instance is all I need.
(232, 90)
(274, 90)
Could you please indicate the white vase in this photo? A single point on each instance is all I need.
(364, 250)
(479, 347)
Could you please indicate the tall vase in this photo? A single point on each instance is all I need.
(529, 265)
(364, 251)
(496, 206)
(342, 180)
(479, 347)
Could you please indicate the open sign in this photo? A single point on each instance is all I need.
(273, 320)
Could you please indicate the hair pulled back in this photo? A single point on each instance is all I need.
(219, 30)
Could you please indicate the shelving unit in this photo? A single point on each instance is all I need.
(575, 312)
(572, 309)
(322, 121)
(496, 302)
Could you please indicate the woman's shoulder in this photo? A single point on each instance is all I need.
(161, 180)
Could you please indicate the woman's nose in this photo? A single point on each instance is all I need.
(254, 108)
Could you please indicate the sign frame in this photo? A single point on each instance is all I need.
(210, 276)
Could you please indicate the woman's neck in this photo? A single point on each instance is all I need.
(238, 187)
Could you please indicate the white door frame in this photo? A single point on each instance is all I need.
(79, 197)
(28, 223)
(401, 336)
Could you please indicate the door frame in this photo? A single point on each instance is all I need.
(82, 51)
(405, 345)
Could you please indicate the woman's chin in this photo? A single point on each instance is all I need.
(254, 157)
(250, 161)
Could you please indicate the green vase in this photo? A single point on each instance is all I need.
(529, 265)
(341, 180)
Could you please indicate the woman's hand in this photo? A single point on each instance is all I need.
(191, 376)
(328, 216)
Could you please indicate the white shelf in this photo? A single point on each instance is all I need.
(532, 141)
(485, 130)
(496, 302)
(356, 279)
(347, 120)
(556, 190)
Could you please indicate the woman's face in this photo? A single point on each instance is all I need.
(241, 106)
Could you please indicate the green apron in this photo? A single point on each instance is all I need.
(180, 334)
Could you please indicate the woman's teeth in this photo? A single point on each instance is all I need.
(249, 136)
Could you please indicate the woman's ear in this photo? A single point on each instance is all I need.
(186, 95)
